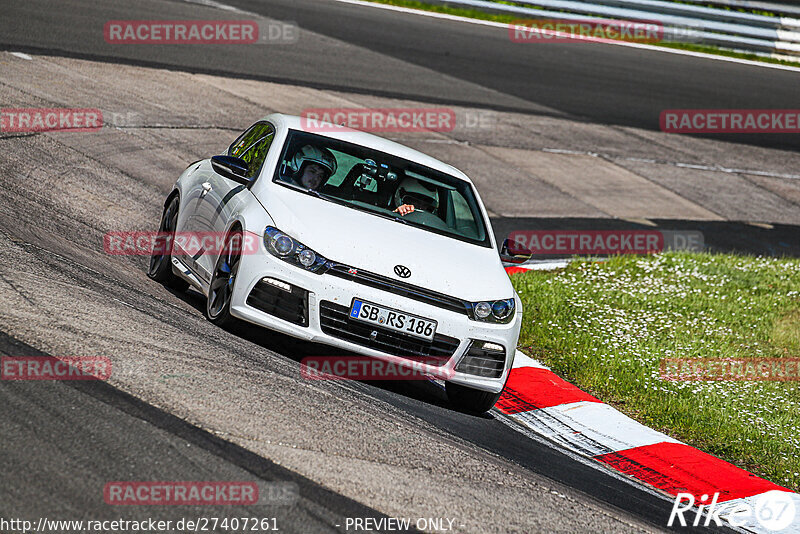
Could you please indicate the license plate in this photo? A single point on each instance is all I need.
(395, 320)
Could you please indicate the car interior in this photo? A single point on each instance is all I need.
(372, 185)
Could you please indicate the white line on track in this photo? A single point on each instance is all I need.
(695, 166)
(218, 5)
(613, 43)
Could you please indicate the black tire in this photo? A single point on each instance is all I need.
(470, 399)
(220, 291)
(160, 268)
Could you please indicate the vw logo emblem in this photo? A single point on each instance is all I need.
(402, 271)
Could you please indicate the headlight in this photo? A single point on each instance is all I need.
(307, 257)
(283, 245)
(496, 311)
(292, 251)
(501, 309)
(482, 310)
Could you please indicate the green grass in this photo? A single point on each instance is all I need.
(506, 19)
(606, 326)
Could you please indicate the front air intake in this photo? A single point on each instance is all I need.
(281, 300)
(483, 359)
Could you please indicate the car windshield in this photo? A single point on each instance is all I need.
(381, 184)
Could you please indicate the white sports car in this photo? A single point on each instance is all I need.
(361, 243)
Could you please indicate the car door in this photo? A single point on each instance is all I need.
(222, 197)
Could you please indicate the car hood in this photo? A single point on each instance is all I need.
(372, 243)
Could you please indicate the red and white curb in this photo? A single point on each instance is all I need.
(539, 400)
(539, 265)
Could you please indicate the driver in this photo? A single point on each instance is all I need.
(311, 166)
(412, 195)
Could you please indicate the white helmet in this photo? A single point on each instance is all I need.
(420, 194)
(312, 154)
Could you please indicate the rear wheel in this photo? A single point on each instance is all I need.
(470, 399)
(220, 292)
(160, 268)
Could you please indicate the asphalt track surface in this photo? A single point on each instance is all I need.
(387, 52)
(126, 435)
(63, 439)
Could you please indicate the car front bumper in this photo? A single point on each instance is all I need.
(336, 291)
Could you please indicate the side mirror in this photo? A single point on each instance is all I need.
(512, 253)
(231, 167)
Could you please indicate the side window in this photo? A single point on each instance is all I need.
(252, 146)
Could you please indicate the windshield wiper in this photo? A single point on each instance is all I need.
(317, 194)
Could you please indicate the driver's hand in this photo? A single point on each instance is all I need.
(404, 209)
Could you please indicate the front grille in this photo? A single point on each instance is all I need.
(400, 288)
(290, 306)
(335, 321)
(479, 361)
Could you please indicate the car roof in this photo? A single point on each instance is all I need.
(294, 122)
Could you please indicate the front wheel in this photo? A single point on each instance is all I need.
(220, 292)
(470, 399)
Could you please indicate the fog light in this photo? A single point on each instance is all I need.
(493, 347)
(278, 284)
